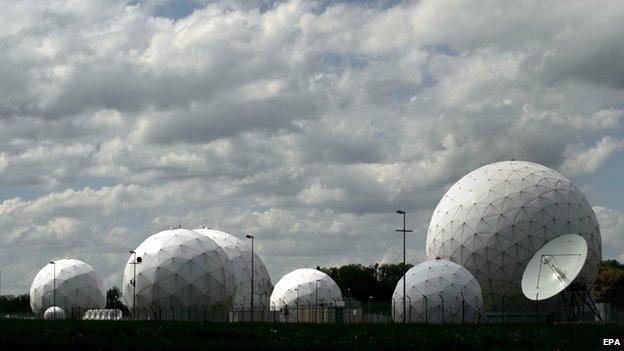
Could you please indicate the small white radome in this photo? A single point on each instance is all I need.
(438, 291)
(78, 287)
(53, 313)
(305, 287)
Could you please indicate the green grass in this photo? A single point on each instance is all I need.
(94, 335)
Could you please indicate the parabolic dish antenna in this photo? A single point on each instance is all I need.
(554, 267)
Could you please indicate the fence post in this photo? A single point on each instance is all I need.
(273, 309)
(463, 308)
(409, 314)
(442, 297)
(426, 310)
(504, 315)
(263, 311)
(286, 311)
(536, 297)
(333, 310)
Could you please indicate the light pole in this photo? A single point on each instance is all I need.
(401, 212)
(134, 262)
(252, 275)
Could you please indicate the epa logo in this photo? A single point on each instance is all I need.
(611, 342)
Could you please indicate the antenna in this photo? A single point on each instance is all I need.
(554, 267)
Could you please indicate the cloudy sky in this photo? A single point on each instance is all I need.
(305, 123)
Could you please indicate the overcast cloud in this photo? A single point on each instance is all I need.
(304, 123)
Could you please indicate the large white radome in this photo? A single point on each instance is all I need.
(240, 255)
(438, 291)
(78, 287)
(305, 287)
(493, 220)
(181, 272)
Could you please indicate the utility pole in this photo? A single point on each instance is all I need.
(401, 212)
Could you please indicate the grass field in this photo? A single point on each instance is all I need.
(127, 335)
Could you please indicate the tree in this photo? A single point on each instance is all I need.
(610, 283)
(361, 282)
(113, 298)
(355, 280)
(388, 276)
(15, 304)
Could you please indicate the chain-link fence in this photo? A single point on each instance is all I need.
(422, 310)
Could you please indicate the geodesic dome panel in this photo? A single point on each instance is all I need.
(53, 313)
(78, 287)
(438, 291)
(493, 220)
(180, 270)
(240, 255)
(305, 287)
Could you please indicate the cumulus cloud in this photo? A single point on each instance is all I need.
(304, 122)
(612, 225)
(583, 161)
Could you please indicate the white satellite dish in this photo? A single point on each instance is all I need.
(554, 267)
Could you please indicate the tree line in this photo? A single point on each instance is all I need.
(375, 282)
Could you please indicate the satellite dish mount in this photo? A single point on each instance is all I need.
(554, 268)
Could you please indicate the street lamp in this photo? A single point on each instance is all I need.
(134, 262)
(401, 212)
(252, 275)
